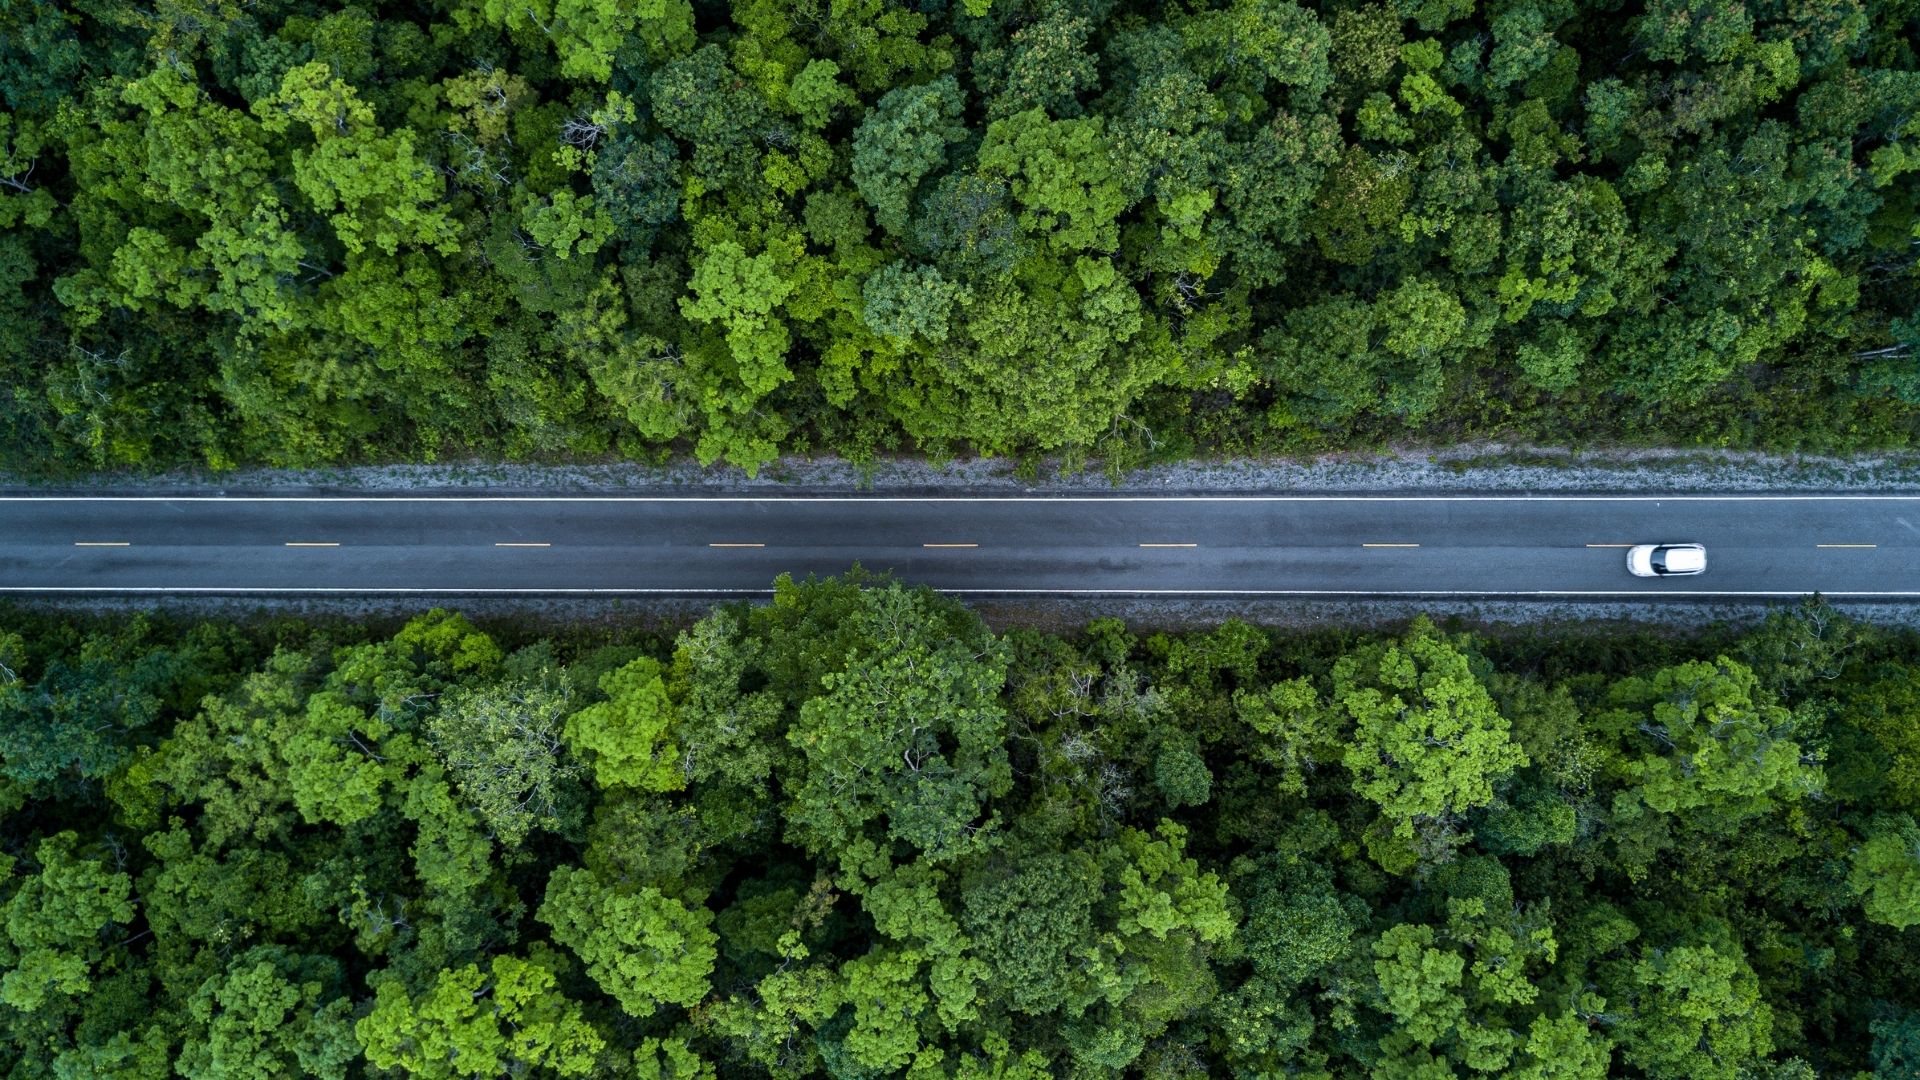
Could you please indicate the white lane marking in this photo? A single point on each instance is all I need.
(510, 543)
(737, 545)
(1170, 545)
(312, 543)
(1609, 545)
(1390, 545)
(949, 545)
(952, 498)
(1846, 545)
(102, 543)
(689, 591)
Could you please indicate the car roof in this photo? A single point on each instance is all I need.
(1685, 558)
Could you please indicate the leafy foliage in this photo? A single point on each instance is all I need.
(312, 232)
(855, 833)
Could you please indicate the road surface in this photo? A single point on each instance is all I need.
(1845, 546)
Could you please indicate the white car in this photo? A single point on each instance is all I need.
(1666, 560)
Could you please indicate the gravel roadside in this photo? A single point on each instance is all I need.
(1484, 467)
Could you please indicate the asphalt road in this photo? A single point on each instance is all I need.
(1845, 546)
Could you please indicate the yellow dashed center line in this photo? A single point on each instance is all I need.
(102, 543)
(1390, 545)
(737, 545)
(1846, 545)
(313, 543)
(516, 543)
(949, 545)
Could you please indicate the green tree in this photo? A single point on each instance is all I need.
(1062, 175)
(1696, 1010)
(1716, 748)
(903, 140)
(979, 388)
(1886, 871)
(908, 737)
(1281, 41)
(1045, 64)
(506, 1019)
(701, 99)
(502, 746)
(272, 1013)
(909, 302)
(1428, 741)
(644, 949)
(374, 186)
(624, 738)
(1298, 924)
(81, 714)
(1032, 924)
(57, 919)
(585, 34)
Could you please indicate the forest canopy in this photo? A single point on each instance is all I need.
(293, 232)
(854, 834)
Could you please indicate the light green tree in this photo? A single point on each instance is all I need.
(1062, 175)
(1712, 745)
(739, 293)
(1428, 742)
(643, 948)
(568, 225)
(1297, 731)
(1696, 1011)
(669, 1059)
(375, 187)
(337, 767)
(1886, 871)
(889, 999)
(625, 738)
(55, 921)
(817, 92)
(504, 1019)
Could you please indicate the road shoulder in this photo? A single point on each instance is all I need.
(1484, 468)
